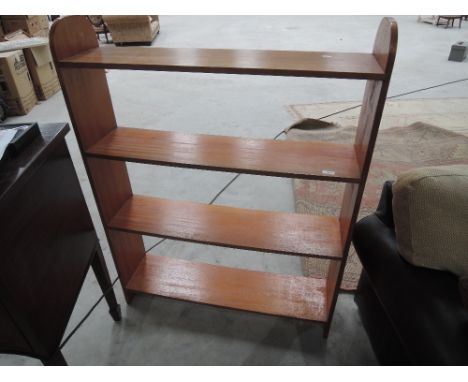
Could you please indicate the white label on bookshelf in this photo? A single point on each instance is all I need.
(328, 172)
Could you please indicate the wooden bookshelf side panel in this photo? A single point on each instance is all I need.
(86, 91)
(385, 45)
(368, 127)
(128, 252)
(89, 104)
(111, 185)
(369, 121)
(375, 96)
(376, 92)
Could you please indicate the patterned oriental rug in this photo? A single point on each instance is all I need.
(397, 149)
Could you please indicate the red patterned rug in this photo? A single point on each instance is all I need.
(397, 149)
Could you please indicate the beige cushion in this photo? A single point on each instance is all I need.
(430, 207)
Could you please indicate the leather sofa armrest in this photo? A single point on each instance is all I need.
(384, 210)
(463, 289)
(423, 305)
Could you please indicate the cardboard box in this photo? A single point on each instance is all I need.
(16, 85)
(42, 69)
(40, 65)
(35, 26)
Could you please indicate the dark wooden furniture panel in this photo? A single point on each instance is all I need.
(11, 337)
(48, 244)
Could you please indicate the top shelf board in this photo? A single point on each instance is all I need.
(255, 62)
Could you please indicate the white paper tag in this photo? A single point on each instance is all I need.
(328, 172)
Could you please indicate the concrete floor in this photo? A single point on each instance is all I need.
(157, 331)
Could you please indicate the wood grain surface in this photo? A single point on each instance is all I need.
(277, 294)
(375, 96)
(279, 232)
(259, 62)
(89, 104)
(310, 160)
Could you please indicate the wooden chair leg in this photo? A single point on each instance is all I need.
(56, 359)
(103, 278)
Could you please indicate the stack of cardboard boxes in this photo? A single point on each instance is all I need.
(16, 87)
(34, 26)
(41, 67)
(29, 74)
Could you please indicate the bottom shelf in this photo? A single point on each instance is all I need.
(268, 293)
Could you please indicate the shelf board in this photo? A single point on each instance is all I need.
(257, 62)
(267, 231)
(268, 293)
(291, 159)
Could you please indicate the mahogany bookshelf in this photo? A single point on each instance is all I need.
(106, 147)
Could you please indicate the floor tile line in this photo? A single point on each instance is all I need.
(64, 342)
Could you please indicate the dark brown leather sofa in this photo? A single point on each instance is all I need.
(413, 315)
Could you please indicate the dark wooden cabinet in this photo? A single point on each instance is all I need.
(47, 244)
